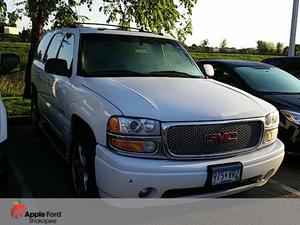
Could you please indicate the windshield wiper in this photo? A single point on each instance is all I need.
(171, 73)
(116, 73)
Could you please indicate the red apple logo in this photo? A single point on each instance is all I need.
(18, 210)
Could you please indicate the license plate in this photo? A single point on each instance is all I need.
(226, 174)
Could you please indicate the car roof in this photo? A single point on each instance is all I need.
(95, 30)
(236, 63)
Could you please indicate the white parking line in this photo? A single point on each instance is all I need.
(285, 187)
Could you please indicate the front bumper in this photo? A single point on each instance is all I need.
(121, 176)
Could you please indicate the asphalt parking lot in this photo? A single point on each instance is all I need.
(37, 171)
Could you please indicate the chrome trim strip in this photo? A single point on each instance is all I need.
(166, 126)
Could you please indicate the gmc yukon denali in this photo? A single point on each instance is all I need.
(136, 118)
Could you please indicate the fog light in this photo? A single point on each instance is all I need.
(145, 192)
(270, 135)
(149, 147)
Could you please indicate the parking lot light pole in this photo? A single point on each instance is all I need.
(292, 45)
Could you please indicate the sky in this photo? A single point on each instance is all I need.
(241, 22)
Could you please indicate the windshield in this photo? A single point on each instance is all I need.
(269, 79)
(113, 55)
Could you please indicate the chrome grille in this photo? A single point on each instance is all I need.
(188, 140)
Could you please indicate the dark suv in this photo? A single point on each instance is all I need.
(289, 64)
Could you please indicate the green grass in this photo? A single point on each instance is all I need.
(12, 85)
(11, 89)
(16, 106)
(198, 56)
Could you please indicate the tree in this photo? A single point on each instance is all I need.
(204, 43)
(279, 48)
(72, 17)
(203, 47)
(39, 12)
(25, 35)
(297, 50)
(248, 51)
(223, 46)
(13, 17)
(3, 12)
(160, 16)
(286, 50)
(264, 47)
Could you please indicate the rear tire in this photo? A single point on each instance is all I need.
(35, 115)
(83, 165)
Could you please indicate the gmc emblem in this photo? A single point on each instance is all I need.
(220, 138)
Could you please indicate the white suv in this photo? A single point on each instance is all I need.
(135, 117)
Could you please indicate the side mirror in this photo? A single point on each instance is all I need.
(10, 63)
(209, 70)
(57, 67)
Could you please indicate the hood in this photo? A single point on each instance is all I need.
(286, 101)
(178, 99)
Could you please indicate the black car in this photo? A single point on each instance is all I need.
(269, 83)
(288, 64)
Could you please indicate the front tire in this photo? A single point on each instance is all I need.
(83, 166)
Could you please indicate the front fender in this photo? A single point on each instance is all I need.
(94, 110)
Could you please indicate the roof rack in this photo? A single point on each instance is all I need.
(76, 25)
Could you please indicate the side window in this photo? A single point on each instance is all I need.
(43, 46)
(66, 51)
(53, 47)
(225, 77)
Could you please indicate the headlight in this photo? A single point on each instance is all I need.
(133, 135)
(294, 117)
(271, 128)
(133, 126)
(272, 119)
